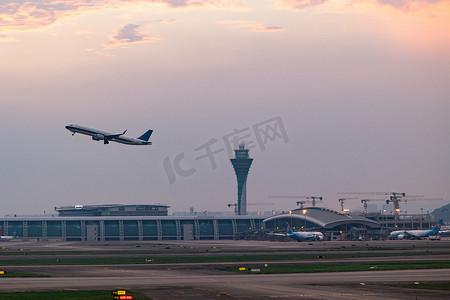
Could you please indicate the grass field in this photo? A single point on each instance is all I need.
(165, 249)
(342, 267)
(201, 257)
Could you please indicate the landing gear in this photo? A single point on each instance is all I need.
(105, 141)
(73, 133)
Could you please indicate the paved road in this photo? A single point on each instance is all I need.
(200, 268)
(219, 244)
(165, 284)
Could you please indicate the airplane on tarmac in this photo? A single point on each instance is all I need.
(7, 237)
(301, 235)
(106, 137)
(416, 234)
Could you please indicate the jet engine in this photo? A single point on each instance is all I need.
(98, 137)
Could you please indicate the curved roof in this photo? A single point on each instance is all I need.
(325, 217)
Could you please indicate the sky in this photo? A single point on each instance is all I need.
(330, 95)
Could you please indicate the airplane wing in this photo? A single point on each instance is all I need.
(411, 235)
(278, 234)
(111, 136)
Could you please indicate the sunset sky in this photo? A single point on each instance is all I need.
(361, 88)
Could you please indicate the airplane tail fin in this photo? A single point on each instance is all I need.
(288, 228)
(438, 226)
(146, 135)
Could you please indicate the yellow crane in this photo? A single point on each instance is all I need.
(392, 197)
(236, 206)
(313, 199)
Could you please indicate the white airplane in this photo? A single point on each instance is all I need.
(7, 237)
(416, 234)
(105, 136)
(301, 235)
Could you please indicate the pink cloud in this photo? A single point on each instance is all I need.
(302, 4)
(198, 3)
(35, 14)
(252, 26)
(5, 38)
(403, 4)
(398, 4)
(267, 29)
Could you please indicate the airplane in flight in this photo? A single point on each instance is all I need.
(300, 236)
(416, 234)
(106, 137)
(7, 237)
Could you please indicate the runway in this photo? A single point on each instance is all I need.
(206, 281)
(237, 286)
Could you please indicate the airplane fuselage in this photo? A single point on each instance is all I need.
(416, 234)
(411, 233)
(304, 236)
(106, 136)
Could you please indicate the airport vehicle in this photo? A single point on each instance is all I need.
(106, 137)
(416, 234)
(301, 235)
(7, 237)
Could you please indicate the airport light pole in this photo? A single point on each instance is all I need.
(421, 217)
(304, 214)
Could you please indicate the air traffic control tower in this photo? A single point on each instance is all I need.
(241, 164)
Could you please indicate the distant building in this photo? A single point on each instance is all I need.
(372, 208)
(386, 209)
(112, 210)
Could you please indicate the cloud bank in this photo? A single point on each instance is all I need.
(302, 4)
(23, 15)
(252, 26)
(29, 15)
(401, 4)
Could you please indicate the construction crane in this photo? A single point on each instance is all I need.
(394, 197)
(236, 206)
(313, 198)
(342, 200)
(364, 202)
(301, 203)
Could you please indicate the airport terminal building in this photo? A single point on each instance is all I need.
(328, 221)
(112, 210)
(141, 228)
(128, 228)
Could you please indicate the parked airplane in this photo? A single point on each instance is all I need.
(7, 237)
(301, 235)
(105, 136)
(416, 234)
